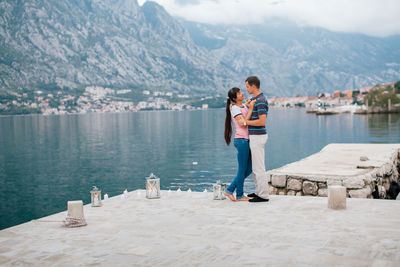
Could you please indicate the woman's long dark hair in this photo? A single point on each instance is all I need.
(228, 120)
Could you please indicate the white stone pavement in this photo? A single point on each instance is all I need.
(187, 231)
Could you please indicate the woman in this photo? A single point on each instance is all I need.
(240, 113)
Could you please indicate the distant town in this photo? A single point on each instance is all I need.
(338, 98)
(103, 99)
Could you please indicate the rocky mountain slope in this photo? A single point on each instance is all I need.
(117, 43)
(294, 60)
(97, 42)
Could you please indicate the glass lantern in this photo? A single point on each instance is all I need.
(153, 187)
(218, 190)
(95, 197)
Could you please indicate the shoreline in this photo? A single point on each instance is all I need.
(170, 110)
(129, 112)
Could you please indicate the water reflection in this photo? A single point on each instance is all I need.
(383, 126)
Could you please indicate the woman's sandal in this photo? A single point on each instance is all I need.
(231, 197)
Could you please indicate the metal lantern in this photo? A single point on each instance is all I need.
(153, 187)
(218, 190)
(95, 197)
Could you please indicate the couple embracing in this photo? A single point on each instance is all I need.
(249, 140)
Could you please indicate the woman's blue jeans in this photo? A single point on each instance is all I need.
(244, 170)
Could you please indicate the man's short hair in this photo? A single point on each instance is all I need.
(253, 80)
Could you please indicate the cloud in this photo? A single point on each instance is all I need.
(371, 17)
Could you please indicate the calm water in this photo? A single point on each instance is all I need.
(47, 160)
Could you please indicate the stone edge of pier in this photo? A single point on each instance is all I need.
(357, 186)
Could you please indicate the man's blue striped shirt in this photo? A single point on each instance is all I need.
(260, 108)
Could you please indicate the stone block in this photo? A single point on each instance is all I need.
(387, 168)
(291, 193)
(335, 181)
(272, 190)
(75, 209)
(336, 197)
(310, 188)
(380, 171)
(323, 192)
(373, 174)
(355, 182)
(394, 165)
(281, 191)
(294, 184)
(278, 180)
(299, 193)
(322, 185)
(395, 174)
(368, 178)
(75, 217)
(360, 193)
(320, 179)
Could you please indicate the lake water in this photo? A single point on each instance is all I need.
(47, 160)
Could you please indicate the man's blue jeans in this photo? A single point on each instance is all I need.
(244, 170)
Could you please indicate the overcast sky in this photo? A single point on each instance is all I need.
(371, 17)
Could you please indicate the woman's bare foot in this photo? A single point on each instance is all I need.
(231, 197)
(243, 199)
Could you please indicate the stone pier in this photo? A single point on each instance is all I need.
(191, 230)
(354, 166)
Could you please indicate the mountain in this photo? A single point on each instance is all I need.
(301, 60)
(115, 43)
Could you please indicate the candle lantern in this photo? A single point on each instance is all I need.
(153, 187)
(95, 197)
(218, 190)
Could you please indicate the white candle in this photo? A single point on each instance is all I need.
(105, 197)
(123, 199)
(126, 193)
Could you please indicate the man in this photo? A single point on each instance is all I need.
(258, 137)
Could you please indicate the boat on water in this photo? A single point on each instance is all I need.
(326, 112)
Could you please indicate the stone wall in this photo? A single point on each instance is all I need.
(360, 186)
